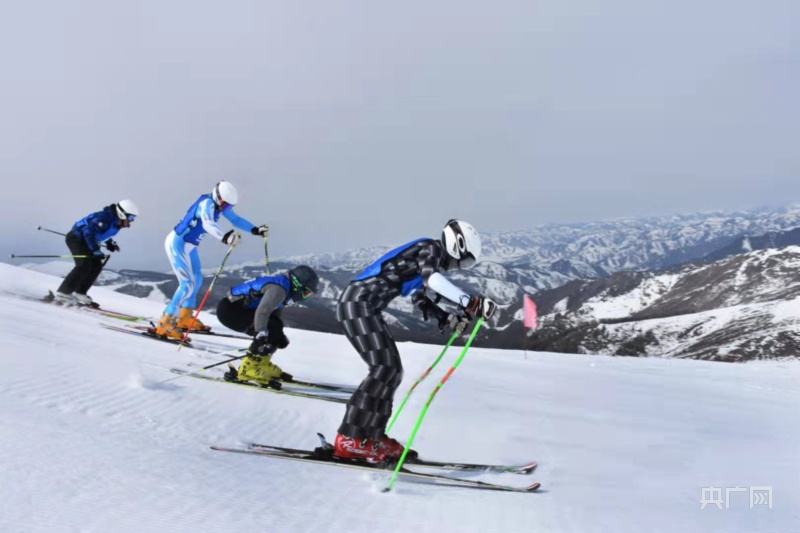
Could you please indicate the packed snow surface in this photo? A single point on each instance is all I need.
(92, 440)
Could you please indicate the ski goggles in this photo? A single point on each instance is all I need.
(299, 290)
(128, 216)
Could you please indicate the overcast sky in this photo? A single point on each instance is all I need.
(356, 123)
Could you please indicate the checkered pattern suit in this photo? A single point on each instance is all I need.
(359, 312)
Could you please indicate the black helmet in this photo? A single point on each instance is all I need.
(303, 281)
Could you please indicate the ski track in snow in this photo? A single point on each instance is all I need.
(91, 441)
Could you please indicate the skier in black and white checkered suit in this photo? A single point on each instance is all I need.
(412, 269)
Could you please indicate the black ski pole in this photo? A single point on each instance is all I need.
(15, 256)
(206, 367)
(64, 235)
(51, 231)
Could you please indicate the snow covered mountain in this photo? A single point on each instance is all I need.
(92, 439)
(738, 308)
(547, 256)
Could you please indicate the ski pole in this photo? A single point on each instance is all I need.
(15, 256)
(428, 403)
(52, 231)
(266, 254)
(64, 235)
(193, 372)
(200, 307)
(419, 380)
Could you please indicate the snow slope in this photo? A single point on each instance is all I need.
(90, 442)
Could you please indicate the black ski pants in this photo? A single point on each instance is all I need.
(235, 316)
(84, 274)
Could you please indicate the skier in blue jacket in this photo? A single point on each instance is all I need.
(181, 246)
(411, 269)
(84, 241)
(254, 307)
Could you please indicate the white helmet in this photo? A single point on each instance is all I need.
(462, 243)
(126, 209)
(225, 193)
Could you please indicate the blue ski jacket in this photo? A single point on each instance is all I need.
(202, 217)
(97, 227)
(251, 290)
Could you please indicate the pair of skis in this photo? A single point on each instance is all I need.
(324, 455)
(94, 307)
(144, 331)
(207, 333)
(316, 391)
(204, 332)
(149, 332)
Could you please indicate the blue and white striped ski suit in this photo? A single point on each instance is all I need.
(181, 246)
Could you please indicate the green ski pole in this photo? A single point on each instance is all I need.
(419, 380)
(428, 403)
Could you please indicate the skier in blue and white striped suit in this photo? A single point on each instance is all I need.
(181, 246)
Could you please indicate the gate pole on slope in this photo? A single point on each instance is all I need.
(525, 341)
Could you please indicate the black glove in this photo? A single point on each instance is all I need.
(280, 341)
(481, 306)
(231, 238)
(112, 246)
(261, 347)
(285, 376)
(428, 307)
(262, 230)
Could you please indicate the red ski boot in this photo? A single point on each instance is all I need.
(369, 450)
(393, 449)
(385, 450)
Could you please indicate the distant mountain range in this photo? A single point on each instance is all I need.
(548, 256)
(743, 307)
(659, 268)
